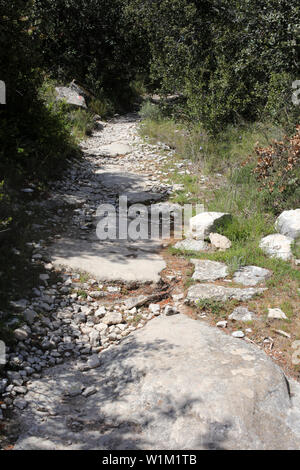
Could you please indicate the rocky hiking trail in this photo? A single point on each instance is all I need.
(112, 354)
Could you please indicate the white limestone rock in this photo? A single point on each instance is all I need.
(277, 246)
(288, 223)
(206, 222)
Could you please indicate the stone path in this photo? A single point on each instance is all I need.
(107, 360)
(118, 163)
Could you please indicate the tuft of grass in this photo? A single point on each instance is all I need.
(82, 293)
(84, 277)
(287, 308)
(217, 308)
(102, 107)
(150, 111)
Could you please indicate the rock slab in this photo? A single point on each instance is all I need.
(251, 275)
(206, 270)
(176, 384)
(192, 245)
(220, 293)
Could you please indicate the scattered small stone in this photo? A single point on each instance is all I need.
(222, 324)
(113, 289)
(92, 363)
(100, 312)
(238, 334)
(21, 334)
(154, 308)
(170, 310)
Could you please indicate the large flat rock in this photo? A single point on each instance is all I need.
(116, 149)
(251, 275)
(189, 244)
(116, 260)
(176, 384)
(206, 270)
(221, 293)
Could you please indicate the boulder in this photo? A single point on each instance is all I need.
(176, 384)
(219, 241)
(207, 222)
(71, 96)
(220, 293)
(277, 246)
(288, 223)
(251, 275)
(206, 270)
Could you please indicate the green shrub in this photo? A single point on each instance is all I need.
(150, 111)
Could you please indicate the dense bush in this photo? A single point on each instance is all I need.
(34, 138)
(92, 42)
(233, 60)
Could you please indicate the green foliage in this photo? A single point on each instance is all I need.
(211, 305)
(34, 138)
(296, 248)
(232, 60)
(150, 111)
(92, 42)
